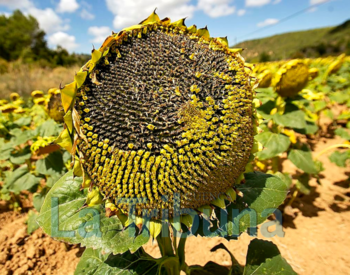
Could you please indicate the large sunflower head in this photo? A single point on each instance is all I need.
(162, 109)
(291, 78)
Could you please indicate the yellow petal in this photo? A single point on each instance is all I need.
(232, 194)
(153, 18)
(68, 120)
(165, 21)
(223, 40)
(77, 170)
(192, 29)
(237, 50)
(68, 94)
(94, 197)
(155, 227)
(95, 56)
(86, 181)
(220, 202)
(134, 27)
(64, 140)
(179, 23)
(80, 78)
(203, 33)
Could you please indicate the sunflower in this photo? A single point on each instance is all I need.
(161, 110)
(265, 79)
(291, 78)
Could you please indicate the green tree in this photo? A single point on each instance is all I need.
(20, 33)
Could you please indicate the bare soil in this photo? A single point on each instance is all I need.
(316, 240)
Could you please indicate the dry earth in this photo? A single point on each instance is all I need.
(316, 240)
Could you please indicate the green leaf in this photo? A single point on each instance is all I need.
(263, 257)
(20, 156)
(293, 119)
(52, 165)
(340, 158)
(285, 177)
(261, 192)
(319, 105)
(274, 144)
(344, 115)
(93, 262)
(32, 225)
(5, 150)
(21, 137)
(110, 235)
(48, 128)
(342, 133)
(303, 160)
(339, 97)
(21, 180)
(302, 184)
(38, 198)
(23, 121)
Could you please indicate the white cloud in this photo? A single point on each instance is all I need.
(241, 12)
(85, 14)
(313, 9)
(67, 6)
(216, 8)
(129, 12)
(6, 14)
(99, 33)
(48, 20)
(62, 39)
(314, 2)
(16, 4)
(267, 22)
(256, 3)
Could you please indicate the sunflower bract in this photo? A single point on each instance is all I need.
(165, 110)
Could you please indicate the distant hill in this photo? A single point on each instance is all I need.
(309, 43)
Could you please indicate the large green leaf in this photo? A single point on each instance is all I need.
(292, 118)
(342, 133)
(5, 150)
(63, 211)
(21, 155)
(52, 165)
(303, 160)
(48, 128)
(263, 258)
(262, 193)
(21, 137)
(23, 121)
(21, 180)
(32, 225)
(319, 105)
(274, 144)
(340, 158)
(93, 262)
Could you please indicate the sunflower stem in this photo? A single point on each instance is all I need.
(164, 242)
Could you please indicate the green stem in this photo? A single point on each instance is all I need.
(181, 254)
(164, 243)
(332, 147)
(275, 164)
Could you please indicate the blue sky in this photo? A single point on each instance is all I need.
(79, 24)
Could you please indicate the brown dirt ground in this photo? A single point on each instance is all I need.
(316, 240)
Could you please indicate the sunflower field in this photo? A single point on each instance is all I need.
(168, 134)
